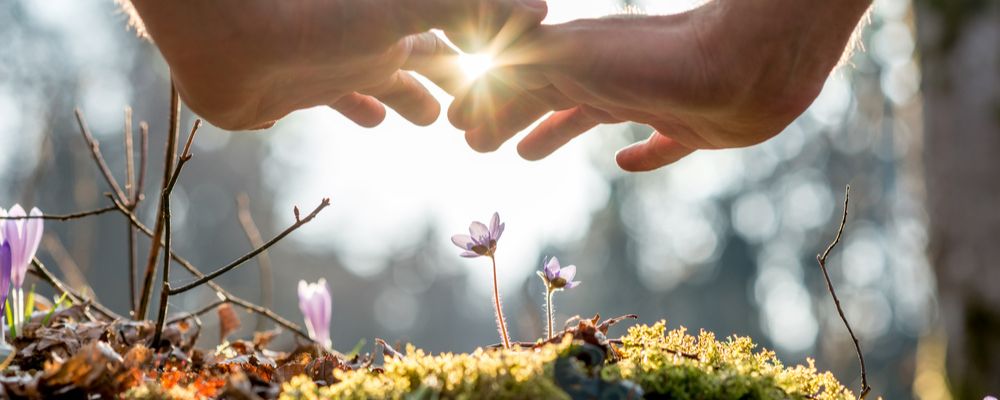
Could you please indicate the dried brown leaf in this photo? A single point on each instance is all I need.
(229, 321)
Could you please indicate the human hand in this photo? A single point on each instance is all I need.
(244, 64)
(728, 74)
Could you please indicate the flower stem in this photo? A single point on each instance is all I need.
(496, 302)
(549, 311)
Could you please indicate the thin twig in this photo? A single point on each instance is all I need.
(263, 261)
(201, 311)
(129, 155)
(168, 168)
(143, 155)
(132, 255)
(47, 276)
(65, 217)
(240, 261)
(291, 326)
(821, 258)
(95, 152)
(70, 269)
(165, 202)
(130, 189)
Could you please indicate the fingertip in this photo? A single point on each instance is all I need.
(627, 161)
(374, 121)
(429, 116)
(656, 152)
(528, 152)
(457, 115)
(479, 141)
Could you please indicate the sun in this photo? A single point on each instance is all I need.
(475, 65)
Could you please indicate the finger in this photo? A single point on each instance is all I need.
(387, 21)
(655, 152)
(554, 98)
(363, 110)
(477, 102)
(510, 119)
(555, 132)
(403, 93)
(434, 59)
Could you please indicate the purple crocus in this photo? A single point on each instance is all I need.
(5, 268)
(317, 307)
(23, 235)
(481, 240)
(557, 277)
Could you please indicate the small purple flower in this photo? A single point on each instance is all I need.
(481, 240)
(317, 307)
(23, 235)
(557, 277)
(5, 269)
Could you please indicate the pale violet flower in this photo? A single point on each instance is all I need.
(317, 308)
(5, 267)
(557, 277)
(481, 240)
(24, 235)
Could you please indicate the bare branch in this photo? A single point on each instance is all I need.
(297, 330)
(165, 210)
(263, 261)
(95, 152)
(143, 155)
(70, 269)
(821, 259)
(129, 156)
(132, 198)
(201, 311)
(168, 168)
(65, 217)
(47, 276)
(239, 261)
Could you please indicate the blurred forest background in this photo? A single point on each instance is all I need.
(723, 240)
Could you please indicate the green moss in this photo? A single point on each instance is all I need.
(671, 365)
(486, 374)
(680, 366)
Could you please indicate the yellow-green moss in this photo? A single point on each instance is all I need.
(661, 362)
(673, 364)
(483, 374)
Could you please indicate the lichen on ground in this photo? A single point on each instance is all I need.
(670, 364)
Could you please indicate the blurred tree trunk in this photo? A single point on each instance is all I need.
(959, 44)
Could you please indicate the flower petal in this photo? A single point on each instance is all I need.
(552, 268)
(469, 254)
(573, 284)
(494, 225)
(5, 267)
(568, 272)
(479, 232)
(33, 229)
(496, 235)
(462, 241)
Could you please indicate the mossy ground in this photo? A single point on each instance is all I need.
(672, 365)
